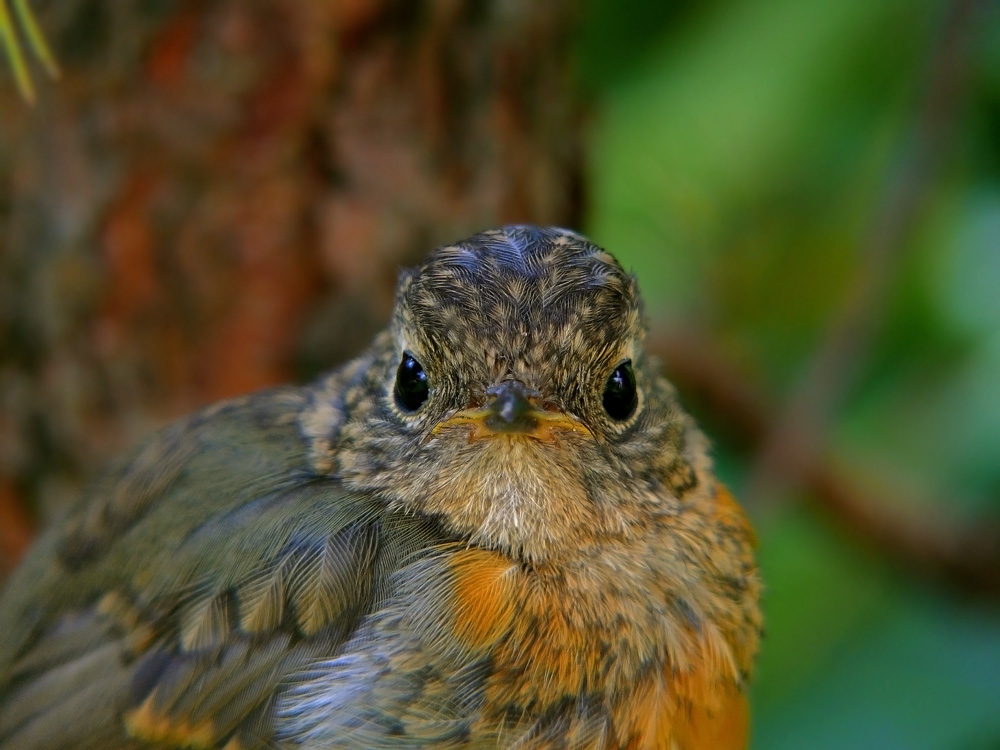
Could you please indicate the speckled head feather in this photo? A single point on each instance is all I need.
(515, 294)
(553, 312)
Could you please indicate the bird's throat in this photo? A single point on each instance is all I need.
(516, 495)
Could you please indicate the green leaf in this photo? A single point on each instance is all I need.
(11, 42)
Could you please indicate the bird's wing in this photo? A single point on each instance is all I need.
(194, 576)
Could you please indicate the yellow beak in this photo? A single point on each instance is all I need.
(512, 412)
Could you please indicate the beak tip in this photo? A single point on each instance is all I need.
(511, 409)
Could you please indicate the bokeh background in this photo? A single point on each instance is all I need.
(214, 197)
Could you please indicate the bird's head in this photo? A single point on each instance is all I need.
(511, 397)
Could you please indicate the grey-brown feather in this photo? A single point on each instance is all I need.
(241, 554)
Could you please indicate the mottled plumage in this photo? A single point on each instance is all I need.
(476, 535)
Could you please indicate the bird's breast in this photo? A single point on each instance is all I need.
(480, 644)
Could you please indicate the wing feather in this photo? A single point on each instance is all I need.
(191, 580)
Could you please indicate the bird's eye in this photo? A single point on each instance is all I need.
(412, 388)
(620, 396)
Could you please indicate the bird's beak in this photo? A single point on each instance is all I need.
(512, 411)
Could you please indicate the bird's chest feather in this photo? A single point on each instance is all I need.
(629, 646)
(599, 629)
(477, 646)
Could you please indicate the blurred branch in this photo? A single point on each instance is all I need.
(794, 437)
(967, 557)
(10, 40)
(16, 529)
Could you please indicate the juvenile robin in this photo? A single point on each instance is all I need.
(494, 529)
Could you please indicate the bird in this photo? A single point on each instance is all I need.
(495, 528)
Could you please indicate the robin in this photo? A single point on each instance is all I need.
(494, 529)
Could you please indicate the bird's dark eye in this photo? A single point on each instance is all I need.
(412, 388)
(620, 396)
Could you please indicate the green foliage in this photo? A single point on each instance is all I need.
(12, 28)
(740, 155)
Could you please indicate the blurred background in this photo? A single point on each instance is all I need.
(215, 196)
